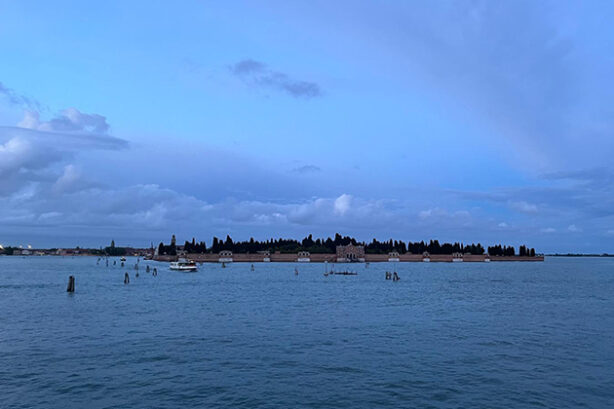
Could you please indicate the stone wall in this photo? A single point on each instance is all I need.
(332, 258)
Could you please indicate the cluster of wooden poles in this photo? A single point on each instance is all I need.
(71, 279)
(392, 276)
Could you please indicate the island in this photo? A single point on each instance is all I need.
(339, 249)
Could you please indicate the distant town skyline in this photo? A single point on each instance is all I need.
(474, 121)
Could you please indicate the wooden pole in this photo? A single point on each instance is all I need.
(71, 284)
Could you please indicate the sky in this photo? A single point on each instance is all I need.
(472, 121)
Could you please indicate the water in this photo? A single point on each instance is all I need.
(491, 335)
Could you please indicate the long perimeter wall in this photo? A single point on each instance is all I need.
(332, 258)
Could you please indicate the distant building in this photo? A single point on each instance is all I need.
(266, 256)
(225, 256)
(394, 256)
(457, 257)
(350, 253)
(304, 257)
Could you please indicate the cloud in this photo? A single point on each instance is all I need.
(248, 66)
(306, 169)
(436, 216)
(503, 225)
(23, 149)
(137, 207)
(38, 152)
(19, 153)
(69, 120)
(425, 214)
(15, 98)
(548, 230)
(573, 228)
(258, 74)
(147, 208)
(524, 207)
(72, 180)
(342, 204)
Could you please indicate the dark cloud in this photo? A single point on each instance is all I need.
(248, 66)
(564, 197)
(15, 98)
(596, 177)
(306, 169)
(258, 74)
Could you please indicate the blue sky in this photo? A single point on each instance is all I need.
(461, 121)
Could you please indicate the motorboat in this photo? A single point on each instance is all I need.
(183, 265)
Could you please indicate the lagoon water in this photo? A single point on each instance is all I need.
(483, 335)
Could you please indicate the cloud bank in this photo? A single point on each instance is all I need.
(37, 153)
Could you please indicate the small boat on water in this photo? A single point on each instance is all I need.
(344, 273)
(122, 259)
(183, 265)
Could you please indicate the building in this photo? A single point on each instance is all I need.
(304, 257)
(225, 256)
(350, 253)
(394, 256)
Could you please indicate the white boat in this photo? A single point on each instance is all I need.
(184, 265)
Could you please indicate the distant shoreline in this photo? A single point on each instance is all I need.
(579, 255)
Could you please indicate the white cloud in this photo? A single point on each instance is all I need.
(69, 120)
(71, 180)
(439, 213)
(425, 214)
(548, 230)
(502, 225)
(573, 228)
(36, 152)
(342, 204)
(523, 206)
(49, 215)
(14, 153)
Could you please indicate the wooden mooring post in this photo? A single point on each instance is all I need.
(71, 284)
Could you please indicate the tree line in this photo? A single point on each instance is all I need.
(114, 251)
(329, 245)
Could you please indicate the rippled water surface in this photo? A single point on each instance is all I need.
(489, 335)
